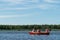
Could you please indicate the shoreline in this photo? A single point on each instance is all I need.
(30, 30)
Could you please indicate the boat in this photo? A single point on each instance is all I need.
(40, 33)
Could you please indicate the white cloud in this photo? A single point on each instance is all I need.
(13, 8)
(42, 6)
(19, 1)
(13, 16)
(17, 16)
(52, 1)
(20, 8)
(13, 1)
(36, 1)
(45, 6)
(11, 4)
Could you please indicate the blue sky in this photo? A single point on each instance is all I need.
(29, 12)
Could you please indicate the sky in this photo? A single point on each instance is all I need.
(21, 12)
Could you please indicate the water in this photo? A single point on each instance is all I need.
(19, 35)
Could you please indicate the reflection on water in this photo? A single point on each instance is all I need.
(10, 35)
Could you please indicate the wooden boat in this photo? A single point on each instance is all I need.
(39, 33)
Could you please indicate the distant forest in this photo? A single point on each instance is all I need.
(28, 27)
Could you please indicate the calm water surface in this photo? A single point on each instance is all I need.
(19, 35)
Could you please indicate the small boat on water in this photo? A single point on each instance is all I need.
(40, 33)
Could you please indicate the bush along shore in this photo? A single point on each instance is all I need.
(29, 27)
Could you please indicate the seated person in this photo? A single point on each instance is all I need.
(38, 30)
(46, 30)
(33, 30)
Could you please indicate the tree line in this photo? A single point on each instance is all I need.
(28, 27)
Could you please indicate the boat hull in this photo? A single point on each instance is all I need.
(39, 33)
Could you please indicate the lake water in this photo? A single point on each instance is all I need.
(20, 35)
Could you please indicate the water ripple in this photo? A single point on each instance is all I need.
(26, 36)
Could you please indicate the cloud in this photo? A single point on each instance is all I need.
(11, 4)
(52, 1)
(36, 1)
(19, 1)
(13, 1)
(14, 16)
(26, 4)
(20, 8)
(41, 6)
(13, 8)
(18, 15)
(45, 6)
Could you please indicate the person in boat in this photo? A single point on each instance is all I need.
(47, 30)
(33, 30)
(38, 30)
